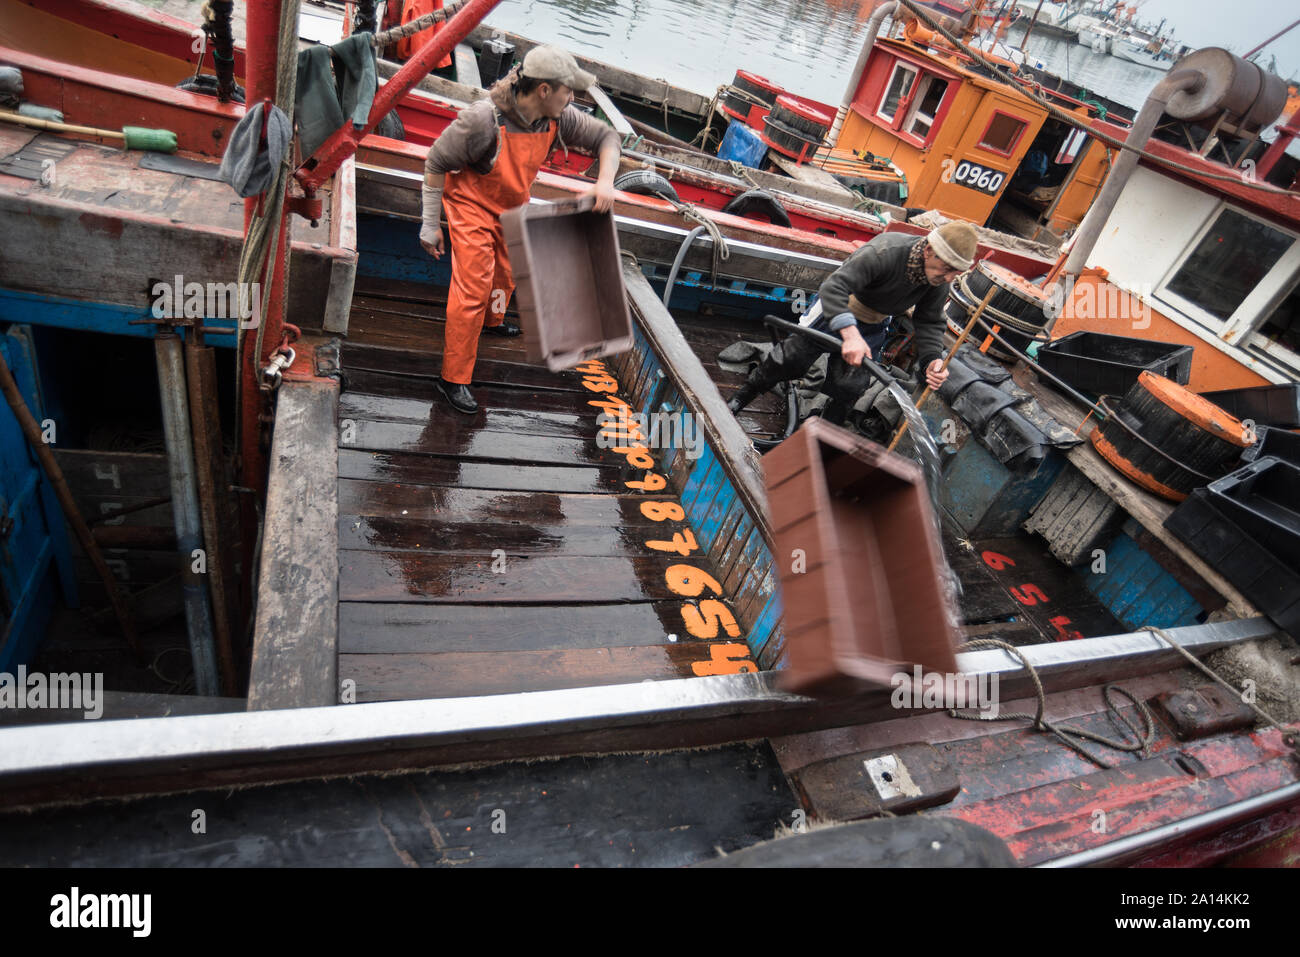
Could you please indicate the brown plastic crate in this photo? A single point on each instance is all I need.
(569, 278)
(871, 601)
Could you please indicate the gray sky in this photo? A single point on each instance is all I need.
(1238, 26)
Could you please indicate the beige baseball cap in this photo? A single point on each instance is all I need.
(559, 66)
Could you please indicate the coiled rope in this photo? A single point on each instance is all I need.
(1068, 735)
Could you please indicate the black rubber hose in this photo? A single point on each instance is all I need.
(677, 262)
(365, 20)
(223, 49)
(827, 340)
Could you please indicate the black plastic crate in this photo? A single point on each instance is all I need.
(1263, 498)
(1100, 364)
(1275, 442)
(1269, 583)
(1277, 405)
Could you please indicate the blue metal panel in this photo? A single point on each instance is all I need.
(28, 543)
(31, 309)
(766, 639)
(1138, 591)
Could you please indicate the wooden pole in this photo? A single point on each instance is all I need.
(925, 393)
(32, 431)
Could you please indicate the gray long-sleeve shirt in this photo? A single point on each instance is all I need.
(876, 274)
(470, 142)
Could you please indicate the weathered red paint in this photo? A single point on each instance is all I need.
(344, 142)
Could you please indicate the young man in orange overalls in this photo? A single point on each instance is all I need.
(485, 163)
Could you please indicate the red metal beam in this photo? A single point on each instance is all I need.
(343, 143)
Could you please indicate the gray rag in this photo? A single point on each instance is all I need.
(334, 83)
(247, 167)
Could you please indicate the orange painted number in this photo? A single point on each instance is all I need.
(683, 543)
(663, 511)
(725, 659)
(688, 581)
(703, 622)
(591, 367)
(601, 383)
(652, 482)
(613, 405)
(638, 456)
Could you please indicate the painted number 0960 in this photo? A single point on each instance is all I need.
(973, 176)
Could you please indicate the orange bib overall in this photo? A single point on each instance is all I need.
(481, 280)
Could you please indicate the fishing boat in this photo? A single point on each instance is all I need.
(1139, 51)
(859, 174)
(437, 593)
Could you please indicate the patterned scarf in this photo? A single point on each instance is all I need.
(915, 271)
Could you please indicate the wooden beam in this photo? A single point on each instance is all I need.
(616, 118)
(295, 640)
(467, 67)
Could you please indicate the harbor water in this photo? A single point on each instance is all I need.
(806, 46)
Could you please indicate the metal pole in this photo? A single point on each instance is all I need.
(1032, 23)
(873, 28)
(201, 378)
(185, 508)
(1143, 126)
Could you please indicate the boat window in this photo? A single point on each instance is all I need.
(1003, 133)
(932, 90)
(900, 85)
(1282, 326)
(1228, 263)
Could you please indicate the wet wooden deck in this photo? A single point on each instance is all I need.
(498, 552)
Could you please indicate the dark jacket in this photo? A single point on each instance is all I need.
(877, 274)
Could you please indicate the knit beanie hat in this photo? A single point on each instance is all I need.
(955, 243)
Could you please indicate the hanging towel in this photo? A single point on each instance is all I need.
(335, 84)
(316, 108)
(354, 70)
(246, 166)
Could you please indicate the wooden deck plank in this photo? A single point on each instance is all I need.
(455, 503)
(492, 394)
(428, 364)
(522, 580)
(492, 416)
(296, 632)
(459, 436)
(398, 677)
(389, 628)
(429, 470)
(433, 536)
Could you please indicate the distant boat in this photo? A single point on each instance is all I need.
(1132, 53)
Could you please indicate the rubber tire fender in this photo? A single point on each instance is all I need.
(759, 202)
(646, 182)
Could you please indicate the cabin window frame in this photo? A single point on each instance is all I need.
(1242, 329)
(921, 89)
(904, 99)
(1015, 144)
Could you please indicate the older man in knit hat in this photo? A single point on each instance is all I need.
(884, 278)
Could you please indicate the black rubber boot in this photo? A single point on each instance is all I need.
(747, 393)
(505, 330)
(461, 399)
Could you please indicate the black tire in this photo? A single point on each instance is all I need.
(759, 202)
(391, 126)
(644, 182)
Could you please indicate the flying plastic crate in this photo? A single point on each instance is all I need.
(569, 278)
(861, 565)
